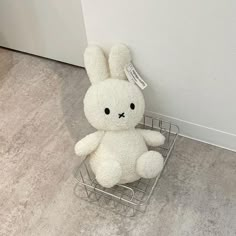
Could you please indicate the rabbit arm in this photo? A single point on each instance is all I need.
(152, 138)
(88, 144)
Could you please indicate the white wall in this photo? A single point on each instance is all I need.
(48, 28)
(186, 51)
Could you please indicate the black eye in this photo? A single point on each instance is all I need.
(132, 106)
(107, 111)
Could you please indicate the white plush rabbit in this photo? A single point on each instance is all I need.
(118, 151)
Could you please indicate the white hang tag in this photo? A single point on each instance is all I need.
(133, 76)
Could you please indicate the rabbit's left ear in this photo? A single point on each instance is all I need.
(96, 64)
(119, 57)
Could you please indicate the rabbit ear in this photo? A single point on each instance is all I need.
(118, 58)
(95, 64)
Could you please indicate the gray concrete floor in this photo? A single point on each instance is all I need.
(41, 118)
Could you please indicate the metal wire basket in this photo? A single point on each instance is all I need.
(126, 199)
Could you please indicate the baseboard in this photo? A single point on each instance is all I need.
(201, 133)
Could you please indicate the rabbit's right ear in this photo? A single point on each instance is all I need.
(95, 64)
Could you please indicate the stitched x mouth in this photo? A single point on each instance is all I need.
(121, 115)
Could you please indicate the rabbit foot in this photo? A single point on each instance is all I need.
(149, 164)
(108, 173)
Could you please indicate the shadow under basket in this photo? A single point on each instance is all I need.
(126, 199)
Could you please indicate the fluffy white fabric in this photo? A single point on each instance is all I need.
(119, 57)
(108, 173)
(118, 152)
(125, 147)
(97, 67)
(152, 138)
(88, 144)
(150, 164)
(117, 96)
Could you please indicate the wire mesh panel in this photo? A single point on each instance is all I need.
(126, 199)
